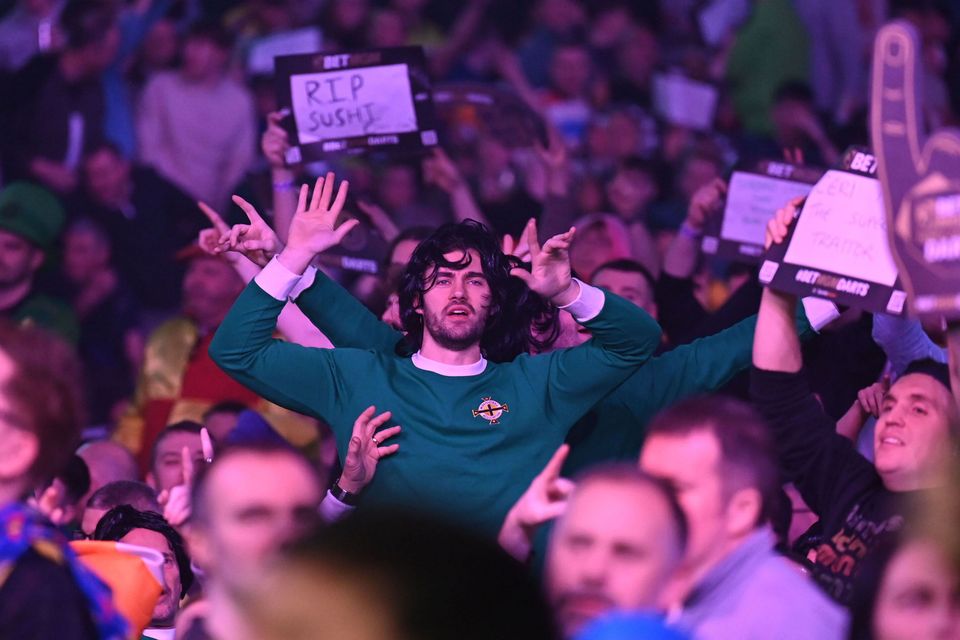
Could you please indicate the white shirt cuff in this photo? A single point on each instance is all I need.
(332, 509)
(588, 303)
(819, 312)
(276, 280)
(306, 281)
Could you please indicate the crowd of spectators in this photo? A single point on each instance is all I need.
(511, 396)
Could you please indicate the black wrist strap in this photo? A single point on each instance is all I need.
(344, 496)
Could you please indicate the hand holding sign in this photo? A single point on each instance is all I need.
(920, 178)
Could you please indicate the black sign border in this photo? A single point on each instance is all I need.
(416, 61)
(713, 243)
(881, 298)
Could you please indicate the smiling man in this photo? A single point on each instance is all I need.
(858, 502)
(479, 419)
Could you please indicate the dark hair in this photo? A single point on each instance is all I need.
(623, 473)
(517, 316)
(75, 478)
(184, 426)
(747, 455)
(411, 233)
(123, 519)
(629, 266)
(930, 367)
(473, 590)
(85, 22)
(44, 392)
(261, 446)
(136, 494)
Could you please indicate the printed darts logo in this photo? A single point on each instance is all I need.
(490, 410)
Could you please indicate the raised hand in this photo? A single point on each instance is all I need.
(314, 226)
(440, 170)
(366, 448)
(176, 502)
(549, 274)
(545, 499)
(705, 201)
(274, 142)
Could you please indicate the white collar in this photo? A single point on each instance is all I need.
(160, 634)
(452, 370)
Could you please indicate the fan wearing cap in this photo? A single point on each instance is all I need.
(31, 219)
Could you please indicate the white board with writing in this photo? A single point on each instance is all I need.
(752, 199)
(353, 102)
(842, 229)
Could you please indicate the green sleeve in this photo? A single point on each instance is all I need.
(702, 366)
(342, 318)
(624, 337)
(299, 378)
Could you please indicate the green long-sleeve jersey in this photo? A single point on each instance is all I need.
(471, 444)
(612, 430)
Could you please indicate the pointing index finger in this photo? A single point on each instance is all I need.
(248, 209)
(213, 217)
(895, 117)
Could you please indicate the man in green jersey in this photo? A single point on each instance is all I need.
(480, 418)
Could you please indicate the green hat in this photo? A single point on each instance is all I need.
(31, 212)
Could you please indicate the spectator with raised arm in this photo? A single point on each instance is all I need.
(621, 534)
(858, 502)
(451, 296)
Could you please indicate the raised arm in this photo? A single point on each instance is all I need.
(819, 461)
(625, 336)
(243, 346)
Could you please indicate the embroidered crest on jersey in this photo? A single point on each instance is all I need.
(490, 410)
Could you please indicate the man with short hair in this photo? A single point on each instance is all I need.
(717, 454)
(31, 219)
(148, 529)
(147, 219)
(138, 495)
(462, 301)
(859, 502)
(166, 457)
(619, 538)
(247, 503)
(107, 462)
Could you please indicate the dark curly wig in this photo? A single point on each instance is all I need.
(519, 320)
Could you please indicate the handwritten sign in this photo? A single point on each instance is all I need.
(920, 177)
(355, 101)
(752, 198)
(837, 247)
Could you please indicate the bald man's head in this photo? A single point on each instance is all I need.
(108, 462)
